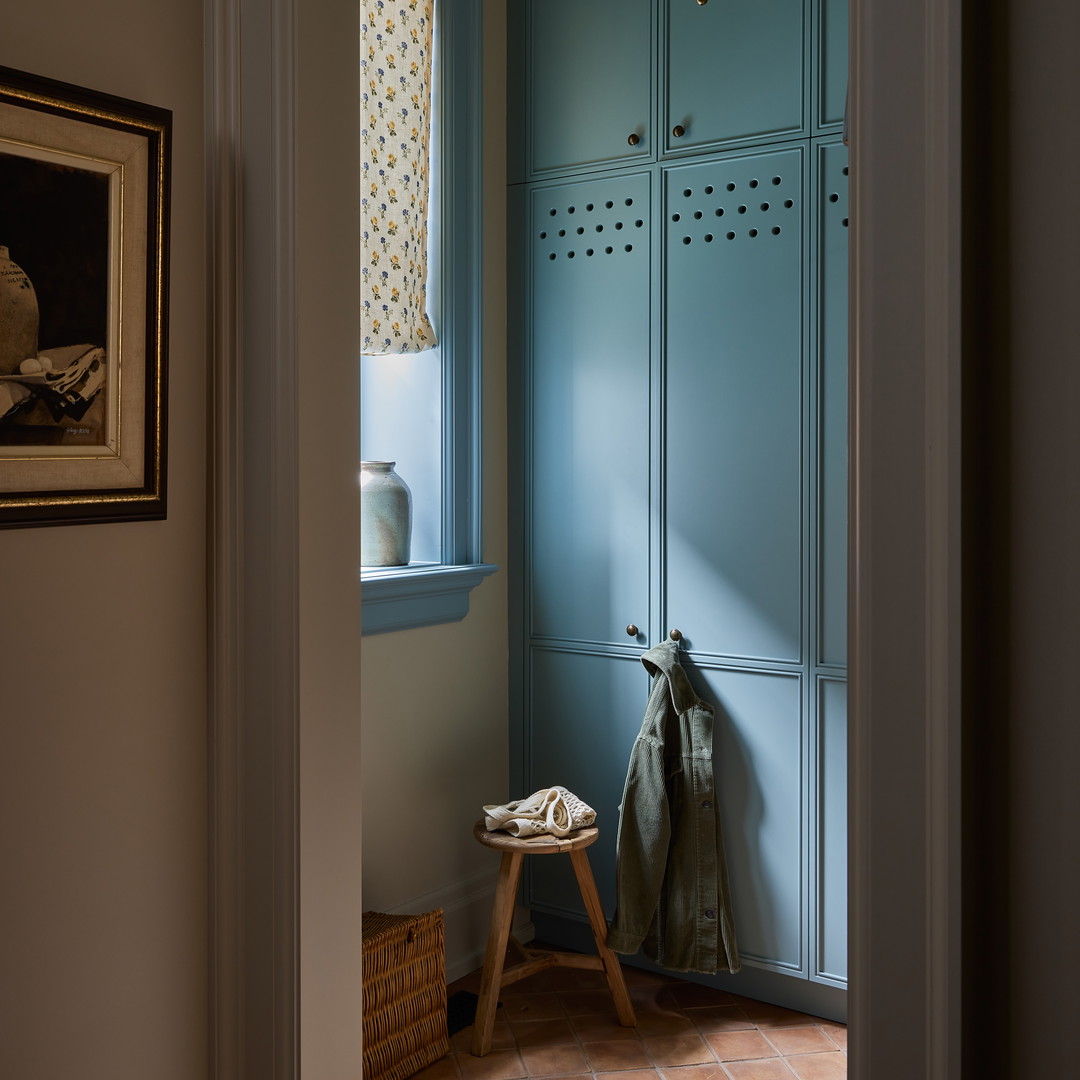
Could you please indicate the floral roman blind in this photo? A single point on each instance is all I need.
(395, 107)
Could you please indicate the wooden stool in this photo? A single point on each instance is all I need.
(530, 961)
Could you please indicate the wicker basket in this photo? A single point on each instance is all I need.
(404, 1005)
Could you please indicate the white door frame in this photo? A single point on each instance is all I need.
(904, 627)
(904, 620)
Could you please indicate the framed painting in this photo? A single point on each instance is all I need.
(84, 198)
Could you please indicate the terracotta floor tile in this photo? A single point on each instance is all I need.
(819, 1066)
(635, 976)
(693, 995)
(765, 1015)
(632, 1074)
(498, 1065)
(445, 1068)
(616, 1055)
(739, 1045)
(532, 1006)
(659, 1022)
(600, 1029)
(773, 1069)
(554, 1060)
(673, 1050)
(836, 1032)
(582, 1002)
(800, 1040)
(713, 1071)
(501, 1038)
(553, 1032)
(652, 996)
(719, 1018)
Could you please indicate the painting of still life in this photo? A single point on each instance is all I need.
(83, 245)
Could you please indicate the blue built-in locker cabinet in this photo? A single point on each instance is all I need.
(679, 420)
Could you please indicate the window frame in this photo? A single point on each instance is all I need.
(399, 598)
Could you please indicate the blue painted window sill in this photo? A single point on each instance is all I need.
(420, 594)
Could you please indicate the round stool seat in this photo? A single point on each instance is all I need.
(542, 844)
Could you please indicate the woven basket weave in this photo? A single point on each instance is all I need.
(404, 1004)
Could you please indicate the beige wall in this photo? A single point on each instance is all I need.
(328, 284)
(434, 701)
(103, 937)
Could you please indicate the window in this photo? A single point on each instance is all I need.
(423, 409)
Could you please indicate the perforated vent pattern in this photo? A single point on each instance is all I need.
(836, 197)
(744, 202)
(615, 225)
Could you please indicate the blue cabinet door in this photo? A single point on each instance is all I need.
(831, 53)
(830, 196)
(735, 341)
(759, 760)
(586, 713)
(734, 71)
(588, 396)
(589, 78)
(830, 834)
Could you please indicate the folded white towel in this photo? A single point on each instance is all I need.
(550, 810)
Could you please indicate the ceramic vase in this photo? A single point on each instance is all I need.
(385, 515)
(18, 316)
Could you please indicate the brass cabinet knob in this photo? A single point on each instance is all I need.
(702, 3)
(678, 131)
(633, 138)
(632, 630)
(675, 635)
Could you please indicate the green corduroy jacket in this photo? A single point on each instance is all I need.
(672, 897)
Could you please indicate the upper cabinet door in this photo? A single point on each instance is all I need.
(588, 393)
(734, 72)
(589, 78)
(832, 35)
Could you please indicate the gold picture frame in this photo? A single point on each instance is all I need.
(84, 199)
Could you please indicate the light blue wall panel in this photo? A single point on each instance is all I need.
(586, 713)
(758, 757)
(589, 83)
(832, 831)
(832, 205)
(735, 70)
(734, 349)
(588, 518)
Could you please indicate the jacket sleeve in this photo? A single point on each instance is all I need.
(641, 848)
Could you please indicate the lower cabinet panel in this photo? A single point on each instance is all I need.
(757, 758)
(831, 962)
(586, 713)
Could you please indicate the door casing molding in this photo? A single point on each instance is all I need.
(905, 599)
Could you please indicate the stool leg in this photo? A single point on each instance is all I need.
(502, 916)
(612, 970)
